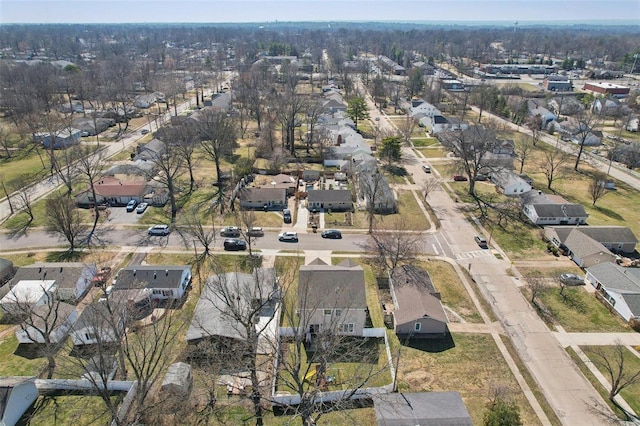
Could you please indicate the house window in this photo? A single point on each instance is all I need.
(338, 312)
(327, 311)
(417, 326)
(157, 292)
(90, 336)
(167, 293)
(346, 328)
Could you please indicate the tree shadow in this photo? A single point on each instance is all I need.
(610, 213)
(28, 351)
(431, 345)
(65, 256)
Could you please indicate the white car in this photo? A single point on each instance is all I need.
(288, 236)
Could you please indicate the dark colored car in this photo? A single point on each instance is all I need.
(286, 215)
(235, 244)
(460, 178)
(255, 231)
(131, 206)
(332, 233)
(230, 231)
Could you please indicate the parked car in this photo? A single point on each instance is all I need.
(235, 244)
(159, 230)
(131, 206)
(144, 131)
(288, 236)
(482, 177)
(286, 215)
(427, 169)
(332, 233)
(571, 279)
(460, 178)
(482, 241)
(141, 208)
(255, 231)
(230, 231)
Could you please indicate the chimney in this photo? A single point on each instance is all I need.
(134, 272)
(166, 272)
(154, 275)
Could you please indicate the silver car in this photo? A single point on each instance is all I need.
(161, 230)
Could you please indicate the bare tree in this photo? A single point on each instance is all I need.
(169, 163)
(536, 285)
(470, 146)
(524, 147)
(5, 141)
(597, 187)
(406, 127)
(551, 165)
(63, 219)
(193, 230)
(89, 166)
(429, 186)
(397, 244)
(288, 106)
(218, 140)
(587, 123)
(534, 123)
(614, 362)
(372, 187)
(242, 307)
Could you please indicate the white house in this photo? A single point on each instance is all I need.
(73, 279)
(17, 394)
(164, 281)
(509, 183)
(419, 106)
(27, 294)
(618, 287)
(54, 320)
(102, 322)
(556, 214)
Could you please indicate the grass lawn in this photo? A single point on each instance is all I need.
(451, 289)
(424, 142)
(433, 152)
(19, 360)
(581, 312)
(631, 395)
(23, 168)
(76, 410)
(469, 363)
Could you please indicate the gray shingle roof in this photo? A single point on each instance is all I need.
(149, 276)
(602, 234)
(615, 277)
(328, 286)
(65, 274)
(210, 319)
(329, 195)
(421, 408)
(560, 210)
(262, 194)
(582, 245)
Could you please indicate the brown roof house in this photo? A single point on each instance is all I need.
(418, 311)
(118, 192)
(262, 198)
(287, 182)
(332, 299)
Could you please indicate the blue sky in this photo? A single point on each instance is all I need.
(121, 11)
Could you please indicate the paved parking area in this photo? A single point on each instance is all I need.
(119, 215)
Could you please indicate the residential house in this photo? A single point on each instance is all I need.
(118, 192)
(618, 287)
(70, 107)
(423, 108)
(544, 209)
(62, 139)
(150, 151)
(452, 85)
(17, 394)
(565, 105)
(145, 101)
(310, 175)
(332, 299)
(214, 319)
(418, 311)
(373, 189)
(26, 295)
(440, 123)
(54, 319)
(536, 108)
(166, 282)
(330, 199)
(421, 408)
(586, 251)
(73, 279)
(610, 106)
(262, 198)
(91, 126)
(101, 323)
(618, 239)
(333, 105)
(219, 102)
(391, 66)
(282, 181)
(509, 183)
